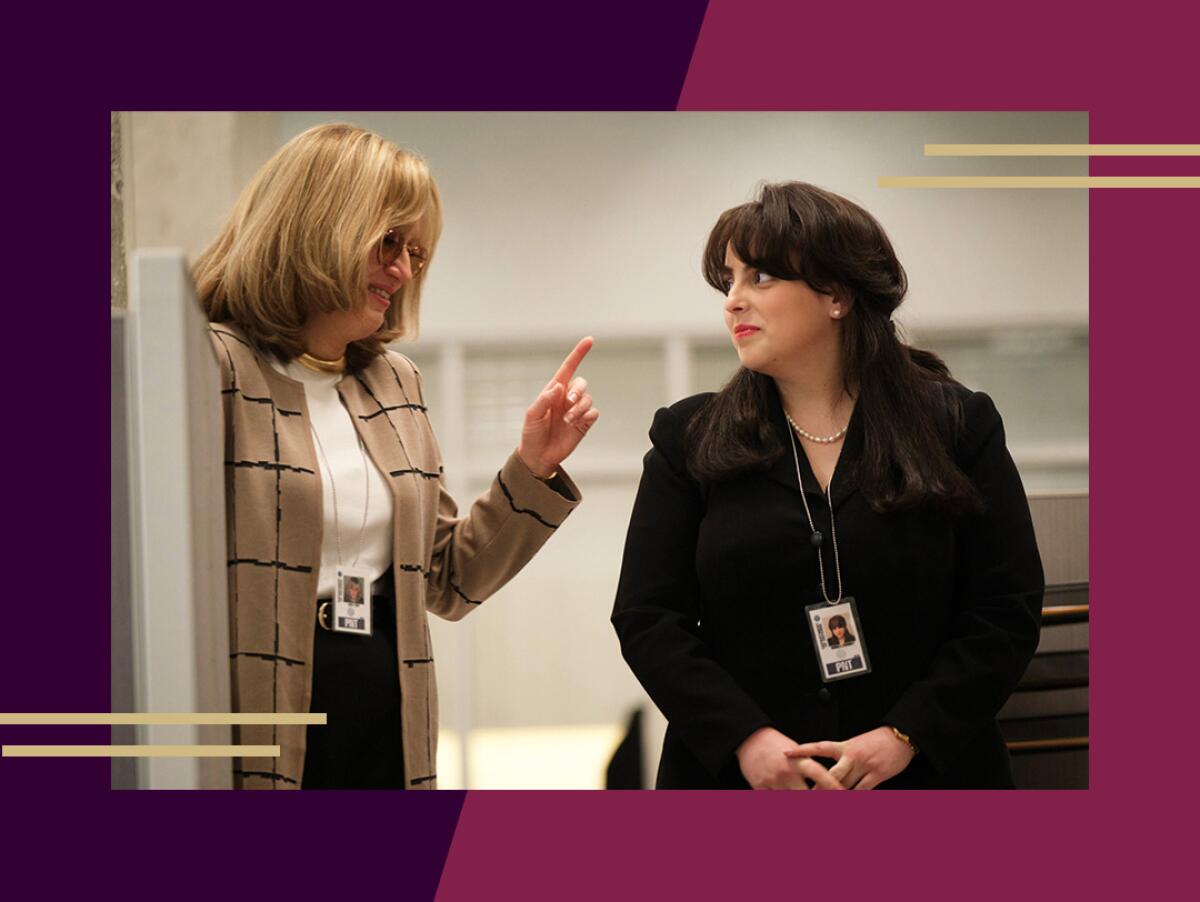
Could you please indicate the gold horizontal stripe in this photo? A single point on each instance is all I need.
(1032, 181)
(1040, 745)
(1062, 150)
(139, 751)
(183, 718)
(1064, 610)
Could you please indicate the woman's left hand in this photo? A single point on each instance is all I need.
(559, 417)
(863, 761)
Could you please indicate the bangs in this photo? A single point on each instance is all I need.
(411, 200)
(758, 240)
(767, 236)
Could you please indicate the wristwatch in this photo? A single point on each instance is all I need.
(903, 737)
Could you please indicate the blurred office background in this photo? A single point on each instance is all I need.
(560, 225)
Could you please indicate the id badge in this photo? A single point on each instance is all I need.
(352, 602)
(838, 638)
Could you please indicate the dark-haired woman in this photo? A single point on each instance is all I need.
(839, 634)
(839, 472)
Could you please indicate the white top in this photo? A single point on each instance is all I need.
(359, 483)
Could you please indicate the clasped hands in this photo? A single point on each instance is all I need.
(770, 760)
(559, 417)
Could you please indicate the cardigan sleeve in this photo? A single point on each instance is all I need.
(657, 609)
(998, 598)
(473, 556)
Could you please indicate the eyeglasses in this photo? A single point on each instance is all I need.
(391, 246)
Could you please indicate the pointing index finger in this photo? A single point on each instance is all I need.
(567, 370)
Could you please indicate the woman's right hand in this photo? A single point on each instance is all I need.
(559, 417)
(765, 765)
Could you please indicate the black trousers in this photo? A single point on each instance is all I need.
(356, 683)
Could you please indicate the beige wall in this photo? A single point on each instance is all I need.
(119, 292)
(187, 170)
(596, 221)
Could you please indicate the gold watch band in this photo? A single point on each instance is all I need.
(903, 737)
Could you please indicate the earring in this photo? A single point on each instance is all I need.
(836, 313)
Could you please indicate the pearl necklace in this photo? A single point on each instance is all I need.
(823, 439)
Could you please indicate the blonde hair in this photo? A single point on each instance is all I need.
(300, 235)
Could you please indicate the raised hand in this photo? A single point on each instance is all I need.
(559, 417)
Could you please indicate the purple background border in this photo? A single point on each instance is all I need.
(67, 827)
(1136, 80)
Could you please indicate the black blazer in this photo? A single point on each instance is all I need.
(716, 576)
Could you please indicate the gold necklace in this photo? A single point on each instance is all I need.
(323, 366)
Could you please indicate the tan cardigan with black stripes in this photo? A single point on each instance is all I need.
(441, 563)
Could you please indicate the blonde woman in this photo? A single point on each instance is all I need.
(341, 533)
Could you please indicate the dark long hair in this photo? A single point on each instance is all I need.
(906, 399)
(838, 620)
